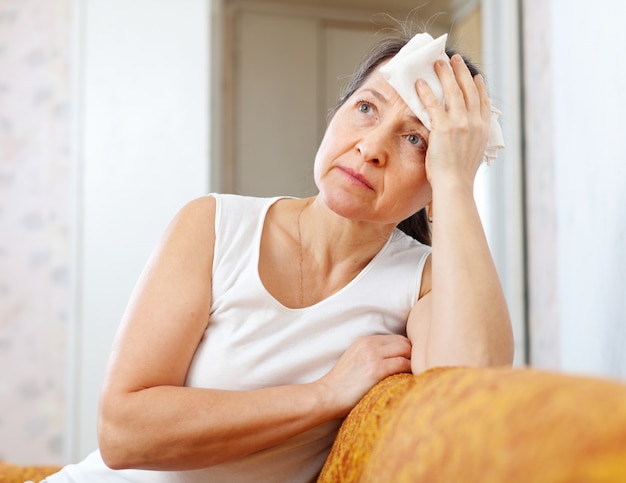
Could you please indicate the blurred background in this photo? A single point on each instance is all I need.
(114, 113)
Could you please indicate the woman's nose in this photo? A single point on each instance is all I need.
(373, 146)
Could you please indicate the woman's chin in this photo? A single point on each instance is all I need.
(347, 205)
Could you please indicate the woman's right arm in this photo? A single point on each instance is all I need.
(147, 419)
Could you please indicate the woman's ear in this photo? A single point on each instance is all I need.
(429, 211)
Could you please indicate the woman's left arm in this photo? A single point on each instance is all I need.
(463, 319)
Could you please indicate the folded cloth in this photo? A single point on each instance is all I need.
(416, 60)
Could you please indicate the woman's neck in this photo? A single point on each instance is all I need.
(331, 238)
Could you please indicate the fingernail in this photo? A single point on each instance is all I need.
(421, 82)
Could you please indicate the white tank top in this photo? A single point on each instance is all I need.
(253, 341)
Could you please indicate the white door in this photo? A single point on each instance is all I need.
(287, 73)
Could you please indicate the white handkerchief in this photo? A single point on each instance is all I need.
(416, 60)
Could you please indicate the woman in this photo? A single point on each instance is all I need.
(258, 324)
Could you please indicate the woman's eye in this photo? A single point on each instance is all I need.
(365, 108)
(414, 139)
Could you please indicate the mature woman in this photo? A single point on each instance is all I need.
(258, 324)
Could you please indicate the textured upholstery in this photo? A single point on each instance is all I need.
(484, 425)
(19, 474)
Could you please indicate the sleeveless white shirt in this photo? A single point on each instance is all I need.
(253, 341)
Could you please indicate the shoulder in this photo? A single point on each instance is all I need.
(192, 227)
(209, 208)
(426, 283)
(407, 247)
(402, 241)
(229, 199)
(197, 214)
(418, 254)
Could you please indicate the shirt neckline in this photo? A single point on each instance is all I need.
(278, 303)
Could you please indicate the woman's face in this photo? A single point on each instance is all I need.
(370, 165)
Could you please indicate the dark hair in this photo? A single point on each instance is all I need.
(416, 225)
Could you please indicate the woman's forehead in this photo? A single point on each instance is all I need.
(377, 84)
(377, 81)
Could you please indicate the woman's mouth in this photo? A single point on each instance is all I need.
(356, 177)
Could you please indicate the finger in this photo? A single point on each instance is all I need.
(395, 365)
(396, 346)
(466, 83)
(384, 339)
(430, 102)
(386, 346)
(453, 95)
(485, 101)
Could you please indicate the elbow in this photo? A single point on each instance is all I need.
(503, 350)
(113, 460)
(498, 353)
(112, 449)
(118, 452)
(496, 348)
(484, 362)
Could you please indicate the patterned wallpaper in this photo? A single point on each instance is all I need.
(34, 226)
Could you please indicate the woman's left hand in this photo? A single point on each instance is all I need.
(459, 131)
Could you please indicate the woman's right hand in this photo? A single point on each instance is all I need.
(367, 361)
(460, 129)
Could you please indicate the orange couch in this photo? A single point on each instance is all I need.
(19, 474)
(484, 425)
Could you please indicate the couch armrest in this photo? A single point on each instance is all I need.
(10, 473)
(484, 425)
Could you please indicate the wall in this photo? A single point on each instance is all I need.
(34, 226)
(575, 185)
(143, 116)
(104, 134)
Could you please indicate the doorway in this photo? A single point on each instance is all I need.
(284, 66)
